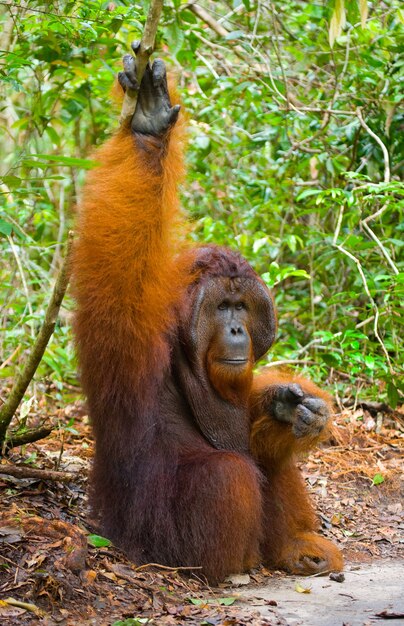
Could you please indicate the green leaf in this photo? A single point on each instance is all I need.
(370, 361)
(197, 601)
(338, 21)
(332, 359)
(202, 141)
(363, 10)
(378, 479)
(226, 601)
(259, 243)
(306, 193)
(25, 408)
(71, 161)
(98, 542)
(212, 601)
(5, 228)
(235, 34)
(175, 37)
(392, 394)
(53, 135)
(11, 181)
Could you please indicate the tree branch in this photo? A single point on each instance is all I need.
(374, 305)
(207, 18)
(24, 471)
(383, 249)
(142, 58)
(380, 142)
(29, 436)
(303, 109)
(215, 26)
(24, 378)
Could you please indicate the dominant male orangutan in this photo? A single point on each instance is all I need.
(195, 457)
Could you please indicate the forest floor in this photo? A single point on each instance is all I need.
(51, 574)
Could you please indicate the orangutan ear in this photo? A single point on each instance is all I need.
(262, 319)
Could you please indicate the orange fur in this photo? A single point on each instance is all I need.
(290, 534)
(232, 385)
(124, 259)
(273, 442)
(290, 537)
(162, 491)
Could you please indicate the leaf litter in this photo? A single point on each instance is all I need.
(55, 568)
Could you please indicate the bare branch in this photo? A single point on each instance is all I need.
(379, 141)
(23, 279)
(339, 224)
(182, 568)
(381, 246)
(288, 362)
(24, 378)
(207, 18)
(215, 26)
(142, 58)
(323, 111)
(24, 471)
(11, 357)
(374, 305)
(27, 606)
(365, 224)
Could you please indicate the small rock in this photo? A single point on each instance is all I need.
(337, 577)
(238, 580)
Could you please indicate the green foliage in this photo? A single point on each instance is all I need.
(378, 479)
(228, 601)
(305, 194)
(98, 542)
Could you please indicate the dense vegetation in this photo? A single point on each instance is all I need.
(296, 147)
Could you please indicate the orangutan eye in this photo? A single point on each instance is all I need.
(240, 306)
(223, 306)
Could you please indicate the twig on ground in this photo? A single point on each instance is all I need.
(25, 605)
(115, 569)
(167, 567)
(30, 436)
(23, 471)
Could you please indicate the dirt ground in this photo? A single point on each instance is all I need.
(51, 573)
(369, 594)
